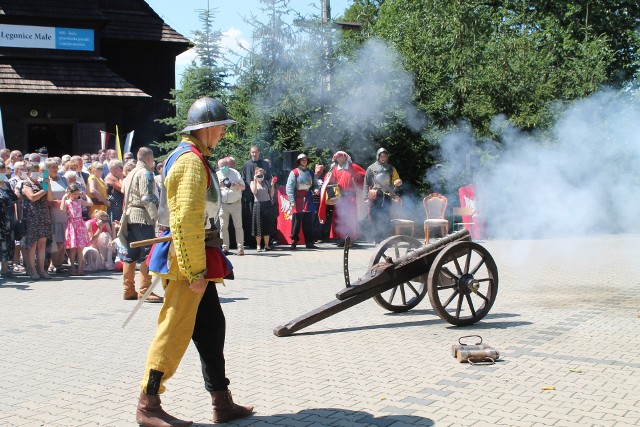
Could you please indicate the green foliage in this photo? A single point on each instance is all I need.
(475, 60)
(271, 97)
(203, 78)
(470, 61)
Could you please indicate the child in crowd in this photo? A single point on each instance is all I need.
(121, 254)
(99, 254)
(76, 235)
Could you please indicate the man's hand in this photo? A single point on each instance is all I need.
(397, 182)
(198, 286)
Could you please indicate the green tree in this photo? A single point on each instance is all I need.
(271, 96)
(474, 60)
(616, 20)
(205, 76)
(365, 13)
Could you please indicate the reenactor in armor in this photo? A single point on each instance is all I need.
(301, 187)
(191, 264)
(380, 183)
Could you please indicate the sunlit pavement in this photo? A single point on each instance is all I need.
(566, 319)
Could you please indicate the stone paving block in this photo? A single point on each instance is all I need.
(350, 361)
(438, 392)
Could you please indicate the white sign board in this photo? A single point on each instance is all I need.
(32, 37)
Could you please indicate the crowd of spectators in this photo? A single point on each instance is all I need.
(62, 214)
(58, 211)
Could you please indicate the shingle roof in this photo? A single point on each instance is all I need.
(67, 9)
(139, 26)
(125, 20)
(63, 78)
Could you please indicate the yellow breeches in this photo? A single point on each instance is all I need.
(176, 321)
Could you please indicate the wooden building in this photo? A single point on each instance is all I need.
(70, 68)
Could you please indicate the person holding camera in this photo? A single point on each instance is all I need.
(262, 219)
(231, 187)
(98, 254)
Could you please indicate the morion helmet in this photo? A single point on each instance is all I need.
(207, 112)
(300, 157)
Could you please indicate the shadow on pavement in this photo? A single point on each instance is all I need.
(232, 299)
(490, 325)
(330, 417)
(433, 321)
(11, 285)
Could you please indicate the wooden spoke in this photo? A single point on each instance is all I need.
(458, 269)
(451, 297)
(459, 307)
(448, 272)
(473, 310)
(477, 267)
(467, 262)
(393, 294)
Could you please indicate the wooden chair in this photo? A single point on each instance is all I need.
(460, 213)
(435, 206)
(400, 225)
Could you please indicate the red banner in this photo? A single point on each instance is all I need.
(285, 220)
(473, 222)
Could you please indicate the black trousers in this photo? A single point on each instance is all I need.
(208, 337)
(381, 218)
(305, 220)
(137, 232)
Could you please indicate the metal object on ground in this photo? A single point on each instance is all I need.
(474, 353)
(141, 301)
(477, 346)
(402, 272)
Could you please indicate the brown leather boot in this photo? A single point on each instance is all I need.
(151, 414)
(129, 281)
(145, 282)
(225, 410)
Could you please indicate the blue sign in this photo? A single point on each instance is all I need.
(74, 39)
(34, 37)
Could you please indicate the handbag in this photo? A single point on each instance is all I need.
(19, 229)
(372, 194)
(332, 194)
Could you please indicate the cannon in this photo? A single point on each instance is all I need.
(459, 275)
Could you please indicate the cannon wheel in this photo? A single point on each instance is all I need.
(466, 273)
(406, 295)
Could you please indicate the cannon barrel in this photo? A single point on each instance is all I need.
(380, 278)
(403, 268)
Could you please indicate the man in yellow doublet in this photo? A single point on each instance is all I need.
(191, 308)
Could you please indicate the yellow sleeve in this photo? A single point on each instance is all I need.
(394, 176)
(186, 187)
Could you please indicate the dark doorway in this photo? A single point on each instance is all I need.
(58, 138)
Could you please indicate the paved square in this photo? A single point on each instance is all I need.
(567, 315)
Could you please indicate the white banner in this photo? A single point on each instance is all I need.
(29, 36)
(127, 142)
(104, 139)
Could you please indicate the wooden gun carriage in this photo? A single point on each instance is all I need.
(459, 275)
